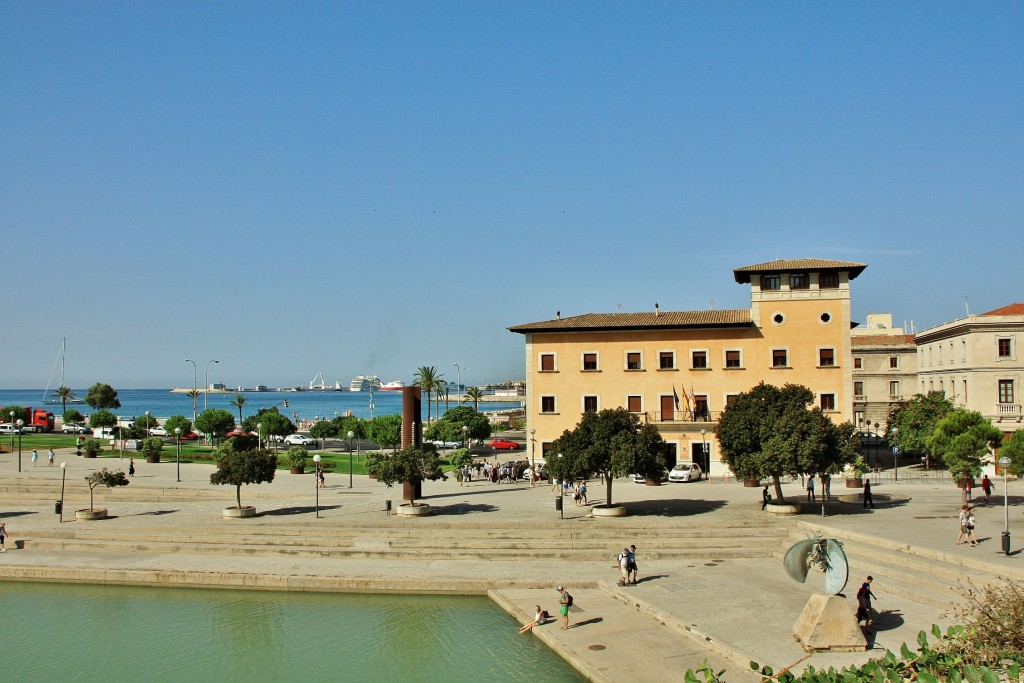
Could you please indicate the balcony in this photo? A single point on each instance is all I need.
(680, 417)
(1008, 411)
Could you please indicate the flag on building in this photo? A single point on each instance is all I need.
(675, 396)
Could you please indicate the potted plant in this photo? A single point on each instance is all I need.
(101, 477)
(410, 467)
(92, 447)
(297, 459)
(151, 448)
(855, 473)
(243, 467)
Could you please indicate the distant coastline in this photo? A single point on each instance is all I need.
(453, 398)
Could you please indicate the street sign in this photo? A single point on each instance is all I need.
(895, 450)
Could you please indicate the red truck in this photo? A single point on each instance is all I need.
(36, 419)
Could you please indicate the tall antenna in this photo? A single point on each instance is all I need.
(967, 307)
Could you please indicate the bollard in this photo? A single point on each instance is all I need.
(387, 507)
(57, 507)
(1006, 542)
(558, 506)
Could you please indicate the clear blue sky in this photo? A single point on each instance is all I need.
(372, 187)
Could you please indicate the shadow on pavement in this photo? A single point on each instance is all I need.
(468, 491)
(464, 508)
(674, 508)
(297, 510)
(154, 512)
(585, 622)
(17, 513)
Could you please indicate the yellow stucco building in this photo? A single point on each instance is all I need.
(678, 369)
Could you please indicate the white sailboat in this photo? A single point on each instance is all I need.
(53, 399)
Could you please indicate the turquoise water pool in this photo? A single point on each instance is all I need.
(54, 632)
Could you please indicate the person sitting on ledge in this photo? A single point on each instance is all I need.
(540, 618)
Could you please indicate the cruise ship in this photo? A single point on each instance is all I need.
(396, 385)
(364, 383)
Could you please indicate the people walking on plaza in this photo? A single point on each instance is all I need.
(49, 456)
(826, 485)
(766, 498)
(810, 488)
(131, 467)
(576, 495)
(967, 520)
(623, 560)
(868, 500)
(986, 486)
(3, 537)
(321, 478)
(633, 569)
(35, 457)
(864, 596)
(564, 603)
(583, 493)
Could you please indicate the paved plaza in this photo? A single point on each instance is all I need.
(710, 603)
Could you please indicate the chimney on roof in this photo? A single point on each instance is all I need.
(558, 314)
(656, 310)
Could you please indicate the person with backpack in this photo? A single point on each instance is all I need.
(623, 563)
(564, 603)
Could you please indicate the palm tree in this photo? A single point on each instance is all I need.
(426, 379)
(475, 395)
(64, 394)
(238, 401)
(194, 395)
(441, 388)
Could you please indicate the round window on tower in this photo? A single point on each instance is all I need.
(826, 318)
(778, 319)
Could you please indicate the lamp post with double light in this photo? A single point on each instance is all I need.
(1004, 462)
(206, 390)
(177, 460)
(459, 387)
(533, 456)
(350, 435)
(21, 423)
(316, 482)
(195, 389)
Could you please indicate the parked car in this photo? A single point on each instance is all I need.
(447, 444)
(685, 471)
(75, 429)
(8, 428)
(157, 431)
(640, 479)
(504, 444)
(237, 431)
(299, 440)
(191, 436)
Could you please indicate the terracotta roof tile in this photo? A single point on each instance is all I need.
(1012, 309)
(881, 340)
(644, 320)
(742, 275)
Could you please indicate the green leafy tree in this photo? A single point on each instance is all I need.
(343, 424)
(19, 414)
(102, 418)
(426, 379)
(460, 458)
(194, 395)
(236, 468)
(385, 431)
(215, 422)
(297, 456)
(441, 389)
(612, 443)
(63, 394)
(449, 427)
(409, 465)
(1013, 448)
(323, 430)
(73, 417)
(146, 422)
(92, 446)
(912, 422)
(961, 439)
(268, 422)
(238, 401)
(178, 422)
(771, 432)
(102, 397)
(152, 446)
(106, 478)
(475, 394)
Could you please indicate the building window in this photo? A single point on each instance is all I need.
(856, 363)
(547, 404)
(590, 404)
(732, 359)
(771, 282)
(779, 358)
(667, 360)
(634, 404)
(1006, 391)
(828, 280)
(729, 398)
(547, 362)
(858, 389)
(828, 401)
(894, 389)
(1005, 348)
(826, 357)
(590, 361)
(894, 362)
(799, 281)
(700, 408)
(633, 360)
(700, 360)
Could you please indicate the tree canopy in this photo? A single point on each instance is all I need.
(449, 427)
(385, 430)
(102, 397)
(73, 417)
(236, 468)
(102, 418)
(427, 378)
(321, 430)
(1013, 448)
(272, 421)
(612, 443)
(178, 422)
(106, 478)
(961, 439)
(145, 422)
(343, 424)
(215, 421)
(770, 432)
(412, 465)
(912, 422)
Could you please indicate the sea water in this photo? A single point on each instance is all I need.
(54, 632)
(302, 405)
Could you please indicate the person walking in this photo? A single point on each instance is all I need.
(49, 456)
(131, 467)
(864, 596)
(564, 603)
(583, 493)
(3, 537)
(868, 500)
(35, 457)
(967, 520)
(810, 488)
(766, 497)
(826, 485)
(623, 562)
(986, 486)
(969, 488)
(631, 558)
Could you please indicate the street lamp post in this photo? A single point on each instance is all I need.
(561, 487)
(148, 434)
(195, 388)
(21, 423)
(350, 435)
(316, 482)
(1004, 462)
(12, 433)
(63, 476)
(704, 452)
(206, 390)
(533, 456)
(177, 439)
(459, 388)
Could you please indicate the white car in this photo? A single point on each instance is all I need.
(685, 471)
(158, 431)
(299, 440)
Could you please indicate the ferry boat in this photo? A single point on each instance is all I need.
(396, 385)
(364, 383)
